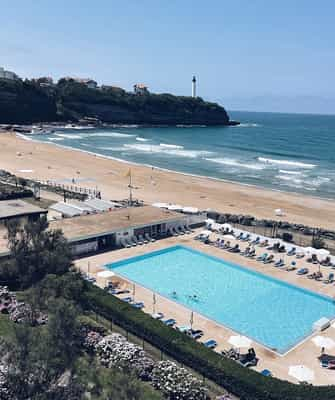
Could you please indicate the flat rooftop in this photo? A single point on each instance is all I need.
(87, 226)
(18, 208)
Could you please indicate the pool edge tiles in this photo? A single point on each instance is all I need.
(260, 331)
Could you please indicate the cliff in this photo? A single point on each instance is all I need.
(27, 102)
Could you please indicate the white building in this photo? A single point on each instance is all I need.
(4, 74)
(140, 88)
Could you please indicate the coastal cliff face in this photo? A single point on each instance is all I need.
(27, 102)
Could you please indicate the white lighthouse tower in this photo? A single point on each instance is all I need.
(194, 87)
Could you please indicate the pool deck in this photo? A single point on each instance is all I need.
(305, 353)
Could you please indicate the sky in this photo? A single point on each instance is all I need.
(263, 55)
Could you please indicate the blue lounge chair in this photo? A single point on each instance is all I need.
(169, 322)
(256, 241)
(262, 257)
(292, 252)
(266, 372)
(280, 263)
(210, 344)
(127, 299)
(138, 305)
(157, 315)
(240, 236)
(302, 271)
(330, 278)
(246, 237)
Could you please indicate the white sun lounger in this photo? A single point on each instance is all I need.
(150, 239)
(124, 243)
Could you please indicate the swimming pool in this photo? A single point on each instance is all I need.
(267, 310)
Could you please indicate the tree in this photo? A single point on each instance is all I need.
(36, 251)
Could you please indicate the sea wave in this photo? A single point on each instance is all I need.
(248, 125)
(289, 178)
(147, 148)
(111, 134)
(141, 139)
(68, 136)
(296, 164)
(55, 139)
(234, 163)
(284, 171)
(171, 146)
(111, 148)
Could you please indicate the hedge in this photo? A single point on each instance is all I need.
(244, 383)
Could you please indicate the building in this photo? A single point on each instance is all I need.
(140, 88)
(19, 209)
(9, 75)
(194, 87)
(106, 231)
(90, 83)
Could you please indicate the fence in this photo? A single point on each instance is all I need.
(159, 355)
(299, 238)
(71, 188)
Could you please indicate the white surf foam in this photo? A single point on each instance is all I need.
(248, 125)
(289, 178)
(141, 139)
(68, 136)
(111, 134)
(295, 164)
(111, 148)
(234, 163)
(147, 148)
(284, 171)
(171, 146)
(55, 139)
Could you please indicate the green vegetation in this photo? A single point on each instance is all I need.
(27, 102)
(9, 192)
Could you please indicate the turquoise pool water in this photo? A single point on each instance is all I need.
(273, 313)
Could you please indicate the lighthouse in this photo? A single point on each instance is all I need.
(194, 87)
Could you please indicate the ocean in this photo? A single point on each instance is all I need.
(288, 152)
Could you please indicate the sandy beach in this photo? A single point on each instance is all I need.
(43, 161)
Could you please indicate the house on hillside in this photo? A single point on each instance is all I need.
(140, 88)
(90, 83)
(4, 74)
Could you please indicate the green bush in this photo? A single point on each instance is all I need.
(245, 383)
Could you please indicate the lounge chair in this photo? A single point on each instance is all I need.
(326, 262)
(252, 253)
(313, 259)
(150, 239)
(179, 230)
(131, 241)
(169, 322)
(210, 344)
(239, 236)
(226, 245)
(134, 240)
(264, 243)
(315, 275)
(262, 257)
(302, 271)
(256, 241)
(266, 372)
(327, 361)
(282, 249)
(300, 254)
(292, 252)
(249, 359)
(195, 333)
(292, 266)
(139, 241)
(235, 249)
(127, 299)
(246, 237)
(138, 305)
(330, 279)
(245, 252)
(124, 243)
(268, 259)
(157, 315)
(280, 263)
(189, 229)
(145, 241)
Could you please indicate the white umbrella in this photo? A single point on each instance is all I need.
(310, 250)
(229, 237)
(175, 207)
(160, 205)
(105, 274)
(190, 210)
(323, 253)
(301, 373)
(209, 221)
(205, 233)
(325, 342)
(226, 226)
(240, 341)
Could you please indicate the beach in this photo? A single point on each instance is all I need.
(42, 161)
